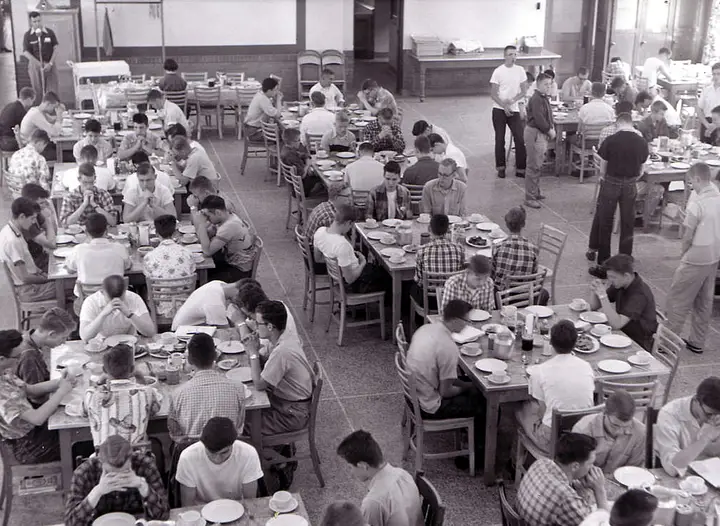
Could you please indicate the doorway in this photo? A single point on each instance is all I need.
(8, 85)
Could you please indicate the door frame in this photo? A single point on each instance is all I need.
(399, 71)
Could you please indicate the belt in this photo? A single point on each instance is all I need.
(618, 181)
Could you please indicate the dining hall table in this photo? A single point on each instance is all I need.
(65, 279)
(516, 389)
(73, 429)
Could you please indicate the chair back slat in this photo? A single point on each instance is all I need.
(431, 282)
(563, 421)
(137, 79)
(245, 95)
(166, 296)
(259, 245)
(551, 240)
(178, 97)
(510, 517)
(667, 349)
(520, 296)
(534, 281)
(195, 77)
(336, 278)
(651, 415)
(642, 392)
(207, 95)
(409, 386)
(137, 95)
(235, 77)
(401, 339)
(591, 132)
(360, 199)
(433, 508)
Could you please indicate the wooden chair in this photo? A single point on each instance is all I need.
(85, 290)
(14, 184)
(344, 299)
(312, 140)
(360, 201)
(195, 77)
(334, 60)
(551, 241)
(271, 139)
(137, 94)
(432, 506)
(651, 416)
(251, 148)
(166, 296)
(667, 349)
(296, 193)
(308, 71)
(259, 245)
(562, 421)
(155, 79)
(307, 433)
(26, 312)
(416, 193)
(137, 79)
(581, 150)
(178, 97)
(510, 517)
(431, 282)
(533, 281)
(415, 429)
(244, 97)
(311, 287)
(207, 103)
(235, 77)
(642, 392)
(4, 163)
(401, 339)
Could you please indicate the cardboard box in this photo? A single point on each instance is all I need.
(32, 480)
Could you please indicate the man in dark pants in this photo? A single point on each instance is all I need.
(624, 154)
(508, 85)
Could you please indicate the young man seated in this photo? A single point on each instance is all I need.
(86, 199)
(172, 80)
(365, 173)
(340, 138)
(171, 112)
(295, 154)
(342, 513)
(41, 237)
(374, 97)
(141, 139)
(114, 310)
(117, 479)
(516, 255)
(389, 200)
(426, 168)
(446, 194)
(202, 187)
(324, 213)
(149, 199)
(27, 165)
(564, 382)
(333, 96)
(385, 133)
(441, 150)
(243, 309)
(190, 161)
(138, 159)
(318, 121)
(635, 507)
(120, 404)
(11, 116)
(219, 466)
(628, 302)
(104, 180)
(207, 305)
(169, 259)
(714, 138)
(655, 125)
(265, 106)
(472, 286)
(93, 131)
(423, 128)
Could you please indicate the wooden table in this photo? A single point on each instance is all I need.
(517, 389)
(674, 88)
(73, 429)
(489, 59)
(257, 511)
(405, 271)
(65, 279)
(341, 164)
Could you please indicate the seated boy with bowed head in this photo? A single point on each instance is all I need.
(294, 153)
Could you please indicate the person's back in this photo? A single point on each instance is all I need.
(423, 171)
(333, 245)
(366, 173)
(205, 306)
(392, 499)
(625, 152)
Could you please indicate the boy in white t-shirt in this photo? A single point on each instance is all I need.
(103, 176)
(655, 65)
(333, 96)
(218, 467)
(508, 85)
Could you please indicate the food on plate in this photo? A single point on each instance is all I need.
(476, 241)
(584, 343)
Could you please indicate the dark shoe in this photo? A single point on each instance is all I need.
(501, 173)
(520, 174)
(532, 203)
(463, 463)
(5, 50)
(693, 348)
(591, 254)
(598, 271)
(540, 197)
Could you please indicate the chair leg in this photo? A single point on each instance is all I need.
(519, 460)
(413, 315)
(306, 289)
(289, 208)
(419, 450)
(316, 462)
(471, 447)
(381, 303)
(220, 121)
(245, 156)
(7, 494)
(343, 314)
(406, 429)
(332, 306)
(313, 297)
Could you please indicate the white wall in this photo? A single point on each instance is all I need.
(329, 24)
(496, 23)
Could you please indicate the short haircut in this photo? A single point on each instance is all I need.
(529, 77)
(114, 286)
(140, 118)
(422, 144)
(620, 404)
(202, 183)
(420, 127)
(269, 84)
(635, 507)
(563, 336)
(180, 143)
(642, 97)
(291, 135)
(250, 297)
(89, 153)
(23, 206)
(708, 392)
(664, 51)
(170, 65)
(509, 48)
(274, 312)
(176, 130)
(201, 350)
(342, 116)
(328, 72)
(621, 263)
(392, 167)
(317, 98)
(714, 67)
(9, 339)
(219, 432)
(541, 77)
(386, 113)
(366, 147)
(345, 213)
(701, 171)
(360, 446)
(456, 310)
(51, 98)
(452, 163)
(624, 106)
(155, 94)
(96, 225)
(435, 138)
(57, 320)
(369, 84)
(118, 361)
(34, 14)
(39, 135)
(658, 105)
(145, 169)
(336, 189)
(625, 118)
(716, 109)
(165, 225)
(116, 450)
(93, 125)
(34, 191)
(549, 73)
(27, 93)
(479, 264)
(515, 219)
(213, 202)
(342, 513)
(615, 59)
(582, 70)
(598, 90)
(617, 83)
(139, 157)
(439, 224)
(574, 447)
(86, 169)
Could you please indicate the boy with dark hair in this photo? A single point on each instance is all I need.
(168, 259)
(172, 80)
(93, 132)
(262, 108)
(333, 96)
(426, 167)
(41, 237)
(294, 153)
(140, 139)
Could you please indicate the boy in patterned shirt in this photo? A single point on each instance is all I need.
(168, 260)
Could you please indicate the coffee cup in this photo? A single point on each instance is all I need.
(397, 258)
(499, 376)
(425, 217)
(472, 348)
(695, 484)
(371, 222)
(578, 304)
(190, 518)
(282, 500)
(475, 218)
(322, 154)
(95, 346)
(643, 356)
(388, 239)
(602, 329)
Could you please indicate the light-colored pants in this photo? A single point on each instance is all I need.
(530, 418)
(691, 292)
(51, 80)
(536, 144)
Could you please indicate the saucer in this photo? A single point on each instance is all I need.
(291, 506)
(506, 380)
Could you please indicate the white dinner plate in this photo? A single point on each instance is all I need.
(633, 477)
(423, 220)
(73, 229)
(454, 219)
(186, 229)
(472, 352)
(712, 162)
(680, 166)
(64, 239)
(196, 247)
(392, 223)
(287, 519)
(155, 126)
(74, 409)
(540, 311)
(593, 317)
(345, 155)
(376, 235)
(505, 380)
(479, 315)
(227, 364)
(63, 252)
(82, 116)
(361, 124)
(489, 365)
(73, 360)
(231, 347)
(614, 366)
(477, 218)
(116, 518)
(127, 339)
(188, 239)
(636, 360)
(616, 341)
(240, 374)
(497, 234)
(291, 123)
(387, 240)
(333, 173)
(325, 163)
(390, 252)
(223, 510)
(487, 226)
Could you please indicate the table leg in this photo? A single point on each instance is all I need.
(58, 152)
(178, 204)
(396, 301)
(60, 293)
(255, 417)
(646, 212)
(66, 460)
(491, 434)
(423, 74)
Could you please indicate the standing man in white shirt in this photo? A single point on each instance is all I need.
(319, 121)
(655, 65)
(709, 99)
(693, 284)
(508, 86)
(333, 96)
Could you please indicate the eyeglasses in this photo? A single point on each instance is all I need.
(708, 413)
